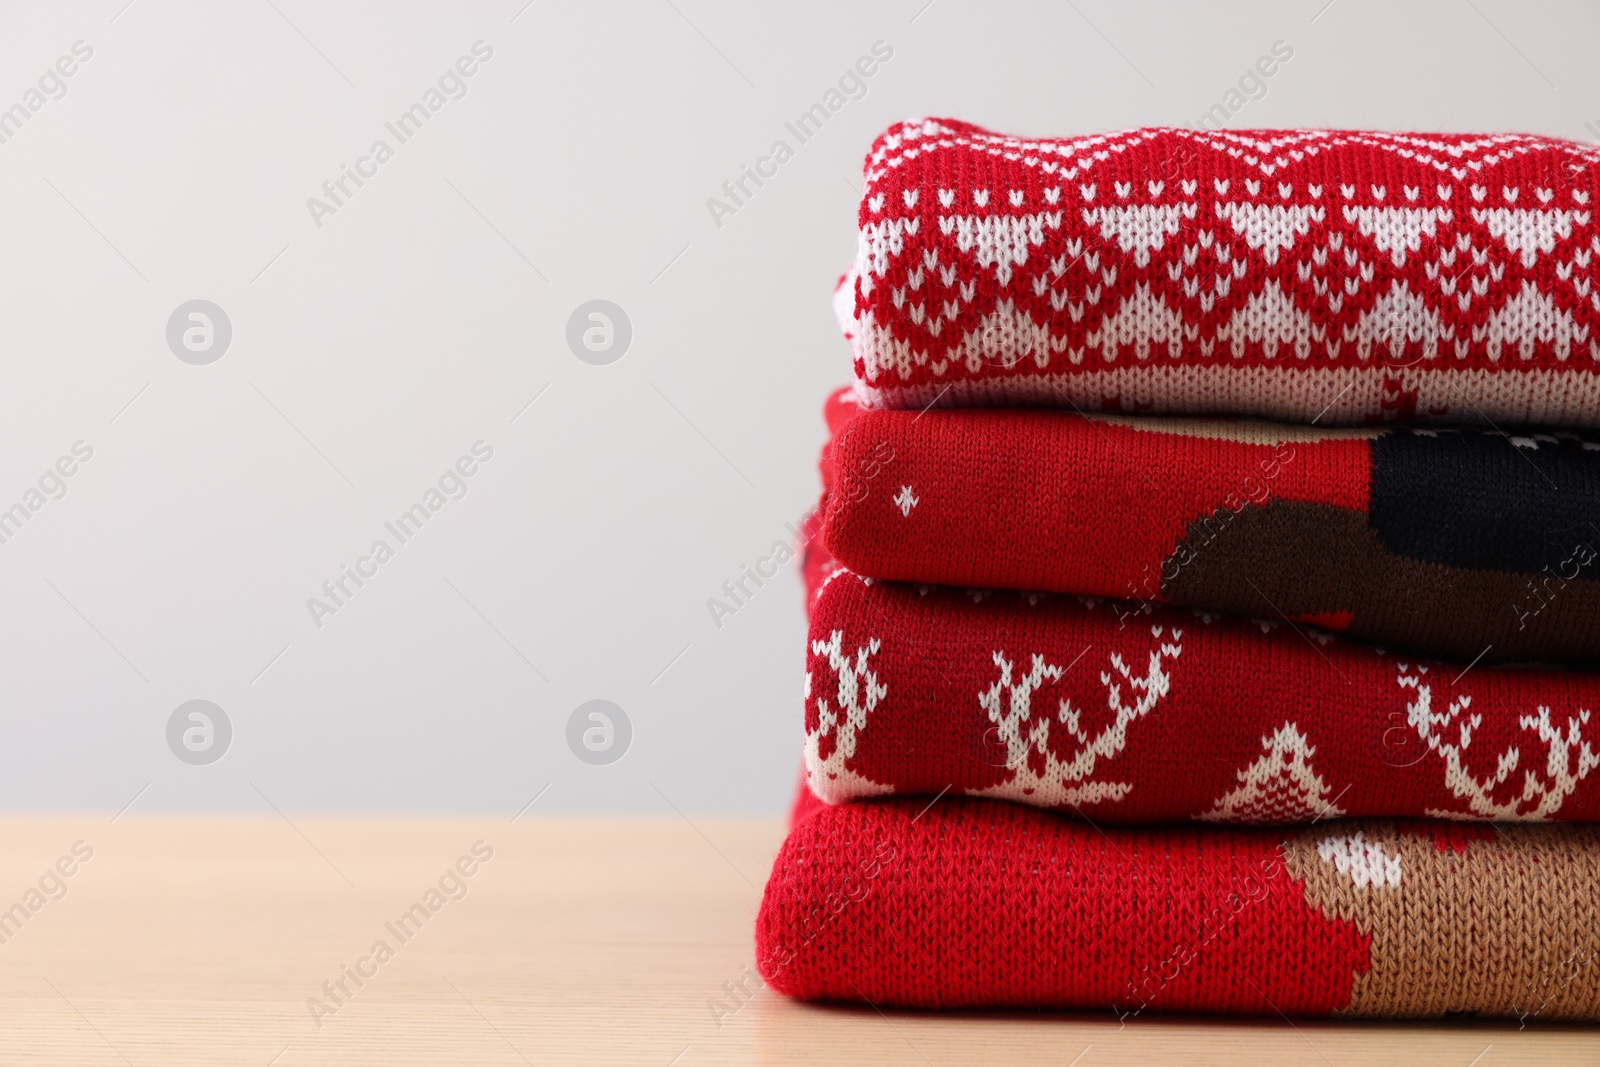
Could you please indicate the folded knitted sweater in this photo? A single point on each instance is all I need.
(1125, 714)
(980, 904)
(1341, 276)
(1460, 544)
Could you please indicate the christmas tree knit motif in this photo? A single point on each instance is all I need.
(1279, 787)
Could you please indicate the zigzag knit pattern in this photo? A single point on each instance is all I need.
(1460, 544)
(1339, 276)
(974, 904)
(1126, 715)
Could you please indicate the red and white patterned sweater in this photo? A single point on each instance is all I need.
(1337, 276)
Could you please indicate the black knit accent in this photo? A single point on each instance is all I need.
(1515, 501)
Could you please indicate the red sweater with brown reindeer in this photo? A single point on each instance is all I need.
(961, 903)
(1462, 544)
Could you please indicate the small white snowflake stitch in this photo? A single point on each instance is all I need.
(905, 500)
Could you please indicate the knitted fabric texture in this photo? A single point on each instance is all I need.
(981, 904)
(1133, 715)
(1339, 276)
(1460, 544)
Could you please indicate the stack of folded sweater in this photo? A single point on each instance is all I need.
(1120, 697)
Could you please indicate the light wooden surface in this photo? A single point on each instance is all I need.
(200, 940)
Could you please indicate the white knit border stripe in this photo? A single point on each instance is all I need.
(1330, 396)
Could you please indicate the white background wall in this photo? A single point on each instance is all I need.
(372, 351)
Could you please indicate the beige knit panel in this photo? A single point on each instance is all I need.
(1510, 926)
(1244, 431)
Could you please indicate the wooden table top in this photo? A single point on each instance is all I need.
(616, 941)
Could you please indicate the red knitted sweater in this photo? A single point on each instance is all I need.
(1297, 274)
(1129, 715)
(1459, 544)
(978, 903)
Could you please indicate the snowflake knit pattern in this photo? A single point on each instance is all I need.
(1131, 715)
(1338, 276)
(1461, 544)
(980, 904)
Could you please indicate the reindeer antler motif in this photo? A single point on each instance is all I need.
(1568, 757)
(857, 694)
(1009, 705)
